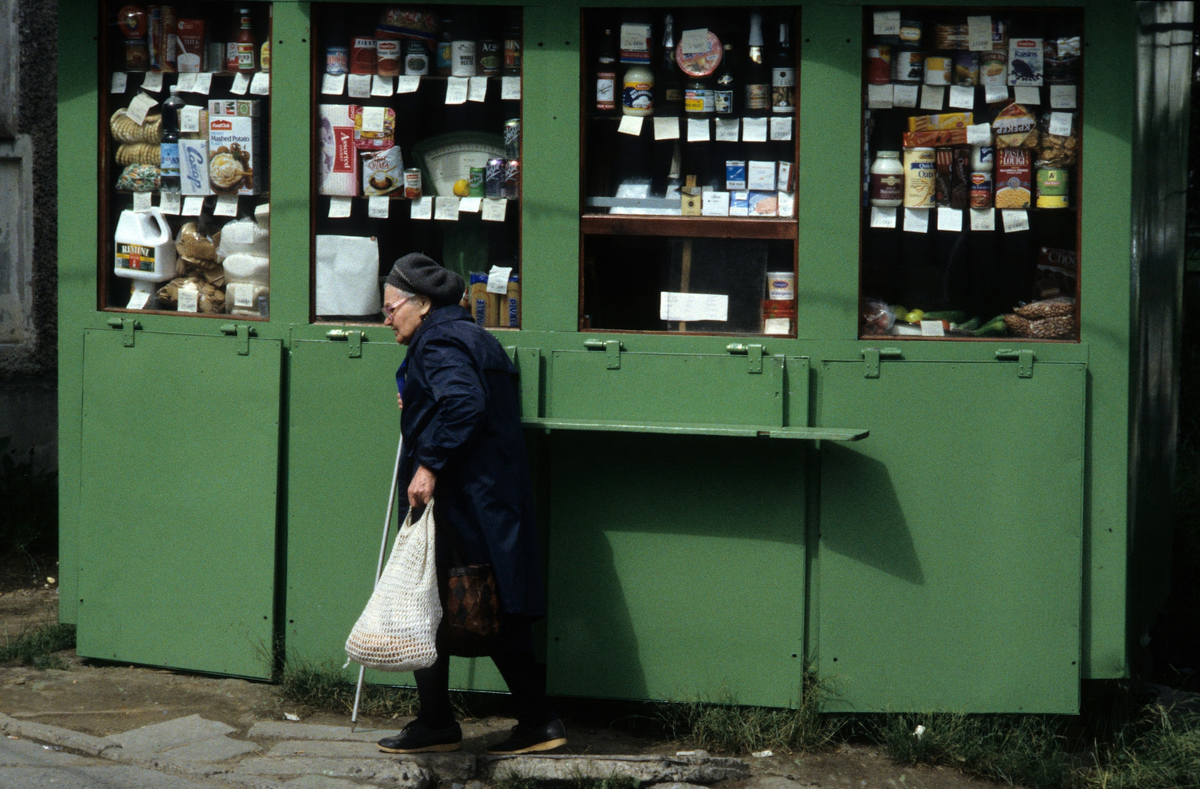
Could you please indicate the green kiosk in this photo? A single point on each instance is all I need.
(846, 333)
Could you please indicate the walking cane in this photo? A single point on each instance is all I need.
(387, 525)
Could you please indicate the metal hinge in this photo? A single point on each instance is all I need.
(753, 352)
(243, 334)
(871, 357)
(1024, 359)
(354, 340)
(612, 351)
(128, 325)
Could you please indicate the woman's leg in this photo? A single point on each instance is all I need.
(525, 677)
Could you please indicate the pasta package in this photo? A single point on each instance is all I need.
(1013, 176)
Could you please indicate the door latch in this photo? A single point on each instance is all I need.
(354, 340)
(871, 357)
(243, 334)
(1024, 359)
(753, 352)
(611, 348)
(128, 326)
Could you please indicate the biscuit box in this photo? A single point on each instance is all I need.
(235, 159)
(337, 156)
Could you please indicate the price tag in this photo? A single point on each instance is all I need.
(446, 208)
(950, 219)
(204, 82)
(407, 84)
(381, 86)
(498, 280)
(979, 134)
(994, 94)
(339, 207)
(510, 88)
(727, 129)
(421, 208)
(137, 300)
(883, 217)
(754, 129)
(494, 208)
(189, 300)
(694, 41)
(933, 97)
(916, 220)
(358, 86)
(781, 129)
(260, 85)
(1023, 94)
(1062, 97)
(905, 95)
(169, 203)
(932, 329)
(143, 201)
(470, 205)
(979, 33)
(189, 119)
(630, 124)
(372, 119)
(887, 23)
(120, 80)
(983, 219)
(138, 108)
(187, 83)
(666, 128)
(192, 206)
(962, 97)
(477, 89)
(377, 207)
(879, 97)
(152, 81)
(1016, 220)
(456, 90)
(242, 294)
(227, 205)
(333, 84)
(698, 130)
(241, 83)
(1060, 124)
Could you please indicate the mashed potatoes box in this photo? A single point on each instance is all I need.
(235, 154)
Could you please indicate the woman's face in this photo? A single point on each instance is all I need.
(402, 313)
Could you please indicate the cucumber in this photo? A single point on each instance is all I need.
(996, 327)
(954, 316)
(970, 325)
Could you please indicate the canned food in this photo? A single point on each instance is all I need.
(512, 139)
(981, 189)
(337, 60)
(919, 177)
(416, 57)
(908, 65)
(510, 312)
(412, 183)
(938, 70)
(462, 58)
(511, 187)
(966, 69)
(493, 178)
(1052, 186)
(363, 56)
(879, 64)
(781, 285)
(475, 182)
(387, 56)
(491, 57)
(993, 68)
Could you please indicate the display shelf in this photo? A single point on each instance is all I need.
(688, 226)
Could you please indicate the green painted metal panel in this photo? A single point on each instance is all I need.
(676, 567)
(180, 452)
(950, 548)
(343, 426)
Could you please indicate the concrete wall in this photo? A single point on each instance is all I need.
(28, 226)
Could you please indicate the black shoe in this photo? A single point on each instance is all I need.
(416, 737)
(529, 739)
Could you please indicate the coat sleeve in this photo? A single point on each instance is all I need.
(460, 402)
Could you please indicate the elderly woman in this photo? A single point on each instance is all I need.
(462, 440)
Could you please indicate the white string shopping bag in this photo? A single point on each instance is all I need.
(396, 630)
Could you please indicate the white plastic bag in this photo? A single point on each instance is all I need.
(396, 630)
(348, 275)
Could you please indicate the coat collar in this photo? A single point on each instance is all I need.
(438, 316)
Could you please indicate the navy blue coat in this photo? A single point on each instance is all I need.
(462, 421)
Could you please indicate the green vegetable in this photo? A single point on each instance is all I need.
(970, 325)
(996, 327)
(954, 316)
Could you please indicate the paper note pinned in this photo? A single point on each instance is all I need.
(138, 108)
(407, 84)
(905, 95)
(1062, 97)
(886, 23)
(446, 208)
(470, 205)
(979, 33)
(378, 206)
(781, 129)
(727, 129)
(666, 128)
(143, 201)
(916, 220)
(204, 82)
(630, 124)
(120, 80)
(186, 83)
(358, 86)
(879, 97)
(950, 219)
(979, 134)
(192, 206)
(933, 97)
(477, 89)
(227, 205)
(421, 208)
(152, 81)
(498, 280)
(698, 130)
(241, 83)
(1016, 220)
(1023, 94)
(754, 130)
(169, 203)
(983, 219)
(189, 119)
(381, 86)
(189, 299)
(994, 94)
(456, 90)
(962, 97)
(137, 300)
(883, 217)
(494, 209)
(510, 88)
(339, 207)
(260, 85)
(1060, 124)
(333, 84)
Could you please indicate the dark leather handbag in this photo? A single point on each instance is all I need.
(471, 611)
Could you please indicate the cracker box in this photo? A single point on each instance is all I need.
(235, 156)
(338, 157)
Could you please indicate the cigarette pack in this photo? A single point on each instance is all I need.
(739, 203)
(760, 175)
(735, 175)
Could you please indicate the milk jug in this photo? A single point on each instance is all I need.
(145, 249)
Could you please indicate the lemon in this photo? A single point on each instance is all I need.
(462, 188)
(914, 316)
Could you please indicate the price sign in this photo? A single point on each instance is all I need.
(962, 97)
(727, 129)
(192, 206)
(169, 203)
(138, 108)
(494, 209)
(887, 23)
(631, 124)
(477, 90)
(143, 201)
(1024, 94)
(152, 81)
(241, 83)
(339, 207)
(446, 208)
(204, 82)
(1016, 220)
(377, 207)
(879, 97)
(916, 220)
(456, 90)
(883, 217)
(933, 97)
(260, 85)
(1062, 97)
(381, 86)
(698, 130)
(333, 84)
(120, 80)
(407, 84)
(979, 134)
(979, 33)
(358, 86)
(905, 95)
(421, 208)
(227, 205)
(983, 219)
(666, 128)
(510, 88)
(187, 83)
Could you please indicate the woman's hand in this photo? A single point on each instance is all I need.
(420, 490)
(399, 401)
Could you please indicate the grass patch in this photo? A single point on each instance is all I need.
(1159, 751)
(323, 688)
(37, 647)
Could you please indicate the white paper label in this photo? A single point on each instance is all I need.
(983, 219)
(243, 294)
(204, 82)
(933, 97)
(358, 86)
(932, 329)
(950, 219)
(138, 108)
(698, 130)
(477, 89)
(1015, 220)
(693, 307)
(372, 119)
(714, 203)
(1023, 94)
(120, 80)
(456, 90)
(333, 84)
(339, 207)
(381, 86)
(189, 300)
(962, 97)
(470, 205)
(666, 128)
(883, 217)
(446, 208)
(727, 129)
(186, 83)
(137, 300)
(143, 201)
(916, 220)
(994, 94)
(260, 85)
(192, 206)
(905, 95)
(241, 83)
(979, 134)
(407, 83)
(510, 88)
(1060, 124)
(630, 124)
(169, 203)
(979, 33)
(887, 23)
(879, 96)
(781, 129)
(189, 119)
(152, 81)
(227, 205)
(694, 41)
(1062, 97)
(421, 208)
(377, 206)
(754, 129)
(498, 280)
(494, 208)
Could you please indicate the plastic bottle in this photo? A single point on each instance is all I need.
(637, 94)
(170, 141)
